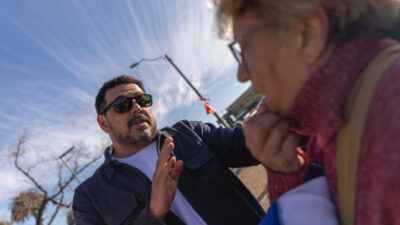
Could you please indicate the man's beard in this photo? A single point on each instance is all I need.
(142, 137)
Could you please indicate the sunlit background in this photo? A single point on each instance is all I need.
(54, 56)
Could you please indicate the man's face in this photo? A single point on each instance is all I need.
(272, 60)
(135, 127)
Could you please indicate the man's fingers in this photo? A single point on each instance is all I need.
(166, 150)
(164, 173)
(176, 170)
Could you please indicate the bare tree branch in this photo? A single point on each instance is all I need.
(56, 194)
(88, 164)
(61, 204)
(58, 206)
(41, 211)
(16, 163)
(61, 189)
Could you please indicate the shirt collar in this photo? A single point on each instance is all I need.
(110, 164)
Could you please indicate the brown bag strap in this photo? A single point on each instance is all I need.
(349, 140)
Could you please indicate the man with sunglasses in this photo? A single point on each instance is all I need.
(175, 175)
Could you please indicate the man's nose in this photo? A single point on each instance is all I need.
(243, 74)
(135, 107)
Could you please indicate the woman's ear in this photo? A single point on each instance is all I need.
(103, 124)
(315, 36)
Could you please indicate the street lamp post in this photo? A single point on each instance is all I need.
(166, 57)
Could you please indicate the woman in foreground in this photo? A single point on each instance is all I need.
(305, 57)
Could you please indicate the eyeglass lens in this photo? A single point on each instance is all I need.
(125, 104)
(237, 52)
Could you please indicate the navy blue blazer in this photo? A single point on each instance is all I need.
(118, 193)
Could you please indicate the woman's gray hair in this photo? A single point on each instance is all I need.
(347, 17)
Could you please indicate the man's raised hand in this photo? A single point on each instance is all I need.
(165, 181)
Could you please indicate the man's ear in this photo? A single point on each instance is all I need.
(102, 121)
(315, 36)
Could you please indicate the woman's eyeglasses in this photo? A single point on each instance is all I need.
(237, 49)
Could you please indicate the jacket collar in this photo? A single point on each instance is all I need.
(111, 165)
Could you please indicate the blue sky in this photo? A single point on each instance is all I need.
(54, 55)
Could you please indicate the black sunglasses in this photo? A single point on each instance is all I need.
(124, 104)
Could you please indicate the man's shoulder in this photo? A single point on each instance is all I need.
(93, 181)
(180, 126)
(189, 124)
(196, 128)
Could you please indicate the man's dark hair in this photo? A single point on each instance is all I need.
(101, 96)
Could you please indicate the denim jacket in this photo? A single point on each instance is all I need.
(120, 194)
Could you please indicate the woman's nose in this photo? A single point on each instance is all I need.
(243, 74)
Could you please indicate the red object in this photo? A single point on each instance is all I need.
(209, 109)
